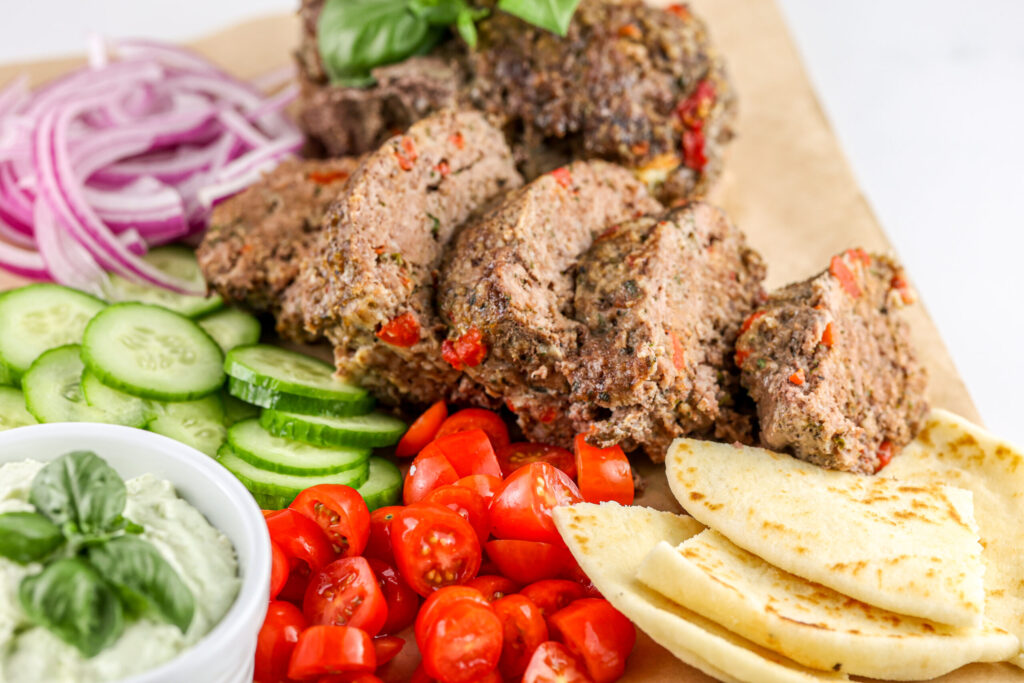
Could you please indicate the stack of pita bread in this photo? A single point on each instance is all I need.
(785, 572)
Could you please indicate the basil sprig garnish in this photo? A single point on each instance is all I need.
(355, 36)
(95, 574)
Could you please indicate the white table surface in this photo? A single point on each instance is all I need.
(927, 97)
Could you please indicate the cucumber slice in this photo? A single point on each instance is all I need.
(293, 403)
(270, 367)
(235, 410)
(258, 447)
(40, 317)
(384, 485)
(12, 409)
(231, 327)
(286, 485)
(199, 424)
(53, 388)
(5, 374)
(269, 502)
(178, 261)
(375, 429)
(152, 352)
(125, 408)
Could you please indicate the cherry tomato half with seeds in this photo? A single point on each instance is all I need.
(294, 589)
(341, 512)
(494, 587)
(300, 538)
(598, 634)
(469, 453)
(429, 470)
(469, 505)
(438, 602)
(477, 418)
(325, 650)
(516, 455)
(603, 473)
(280, 568)
(379, 543)
(522, 510)
(402, 601)
(551, 595)
(464, 643)
(528, 561)
(484, 484)
(278, 635)
(434, 547)
(422, 431)
(553, 663)
(346, 593)
(523, 630)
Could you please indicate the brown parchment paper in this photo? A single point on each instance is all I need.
(787, 184)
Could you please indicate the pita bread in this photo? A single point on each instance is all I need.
(910, 548)
(609, 541)
(807, 622)
(953, 451)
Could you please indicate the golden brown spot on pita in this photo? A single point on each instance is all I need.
(854, 567)
(774, 526)
(801, 550)
(913, 489)
(695, 495)
(803, 623)
(925, 435)
(927, 627)
(713, 506)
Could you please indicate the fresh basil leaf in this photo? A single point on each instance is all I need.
(73, 602)
(466, 26)
(79, 491)
(437, 12)
(553, 15)
(354, 36)
(28, 536)
(140, 571)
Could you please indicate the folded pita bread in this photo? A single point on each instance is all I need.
(910, 548)
(953, 451)
(807, 622)
(609, 541)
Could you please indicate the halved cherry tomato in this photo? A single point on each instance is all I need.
(332, 650)
(438, 602)
(598, 634)
(528, 561)
(294, 588)
(493, 587)
(278, 635)
(469, 504)
(551, 595)
(401, 600)
(429, 470)
(346, 593)
(553, 663)
(300, 538)
(341, 512)
(484, 484)
(434, 547)
(280, 567)
(379, 544)
(522, 510)
(422, 431)
(477, 418)
(603, 473)
(349, 678)
(464, 643)
(469, 452)
(523, 628)
(515, 455)
(420, 675)
(387, 648)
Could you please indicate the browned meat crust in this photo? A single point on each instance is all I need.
(663, 298)
(382, 241)
(832, 369)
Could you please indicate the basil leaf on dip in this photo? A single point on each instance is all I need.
(80, 493)
(28, 536)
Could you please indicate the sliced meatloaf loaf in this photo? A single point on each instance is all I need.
(506, 288)
(830, 365)
(368, 285)
(663, 298)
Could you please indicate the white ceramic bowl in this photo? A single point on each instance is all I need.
(225, 654)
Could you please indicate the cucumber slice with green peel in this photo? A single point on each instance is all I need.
(384, 485)
(5, 374)
(40, 317)
(174, 260)
(258, 447)
(277, 369)
(152, 352)
(231, 327)
(199, 424)
(236, 410)
(125, 408)
(13, 412)
(53, 389)
(269, 502)
(285, 485)
(293, 403)
(374, 430)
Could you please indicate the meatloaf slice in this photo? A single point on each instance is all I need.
(663, 298)
(507, 282)
(830, 365)
(368, 285)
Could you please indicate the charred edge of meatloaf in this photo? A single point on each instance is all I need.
(662, 299)
(258, 238)
(509, 276)
(830, 365)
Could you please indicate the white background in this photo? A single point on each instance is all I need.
(927, 97)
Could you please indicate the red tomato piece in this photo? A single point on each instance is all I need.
(429, 470)
(469, 453)
(294, 589)
(420, 675)
(401, 600)
(387, 648)
(422, 431)
(477, 418)
(469, 349)
(402, 331)
(300, 538)
(553, 663)
(523, 629)
(280, 568)
(484, 484)
(847, 280)
(522, 510)
(349, 678)
(598, 634)
(469, 505)
(379, 543)
(603, 473)
(434, 547)
(551, 595)
(464, 643)
(516, 455)
(438, 602)
(346, 593)
(341, 512)
(332, 650)
(278, 635)
(528, 561)
(493, 587)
